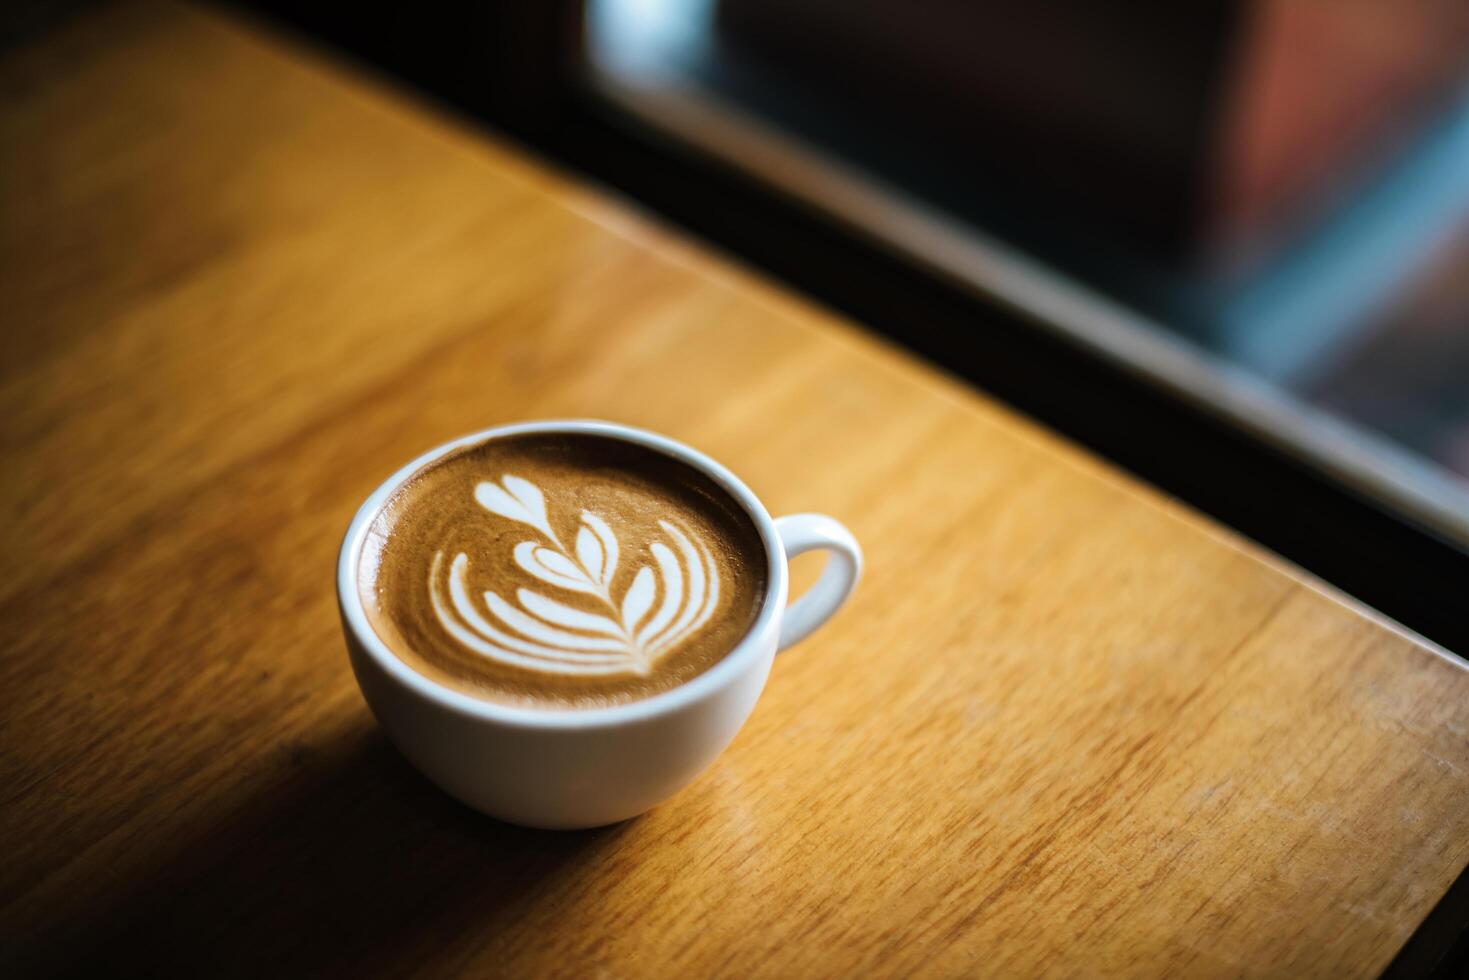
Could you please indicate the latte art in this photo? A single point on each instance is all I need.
(561, 571)
(539, 632)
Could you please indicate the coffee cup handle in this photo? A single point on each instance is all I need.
(800, 533)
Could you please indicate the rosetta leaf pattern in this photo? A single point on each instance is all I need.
(519, 500)
(665, 603)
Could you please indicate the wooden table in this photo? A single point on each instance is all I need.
(1067, 726)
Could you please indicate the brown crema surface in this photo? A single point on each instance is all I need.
(528, 526)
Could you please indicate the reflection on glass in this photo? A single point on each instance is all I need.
(1263, 205)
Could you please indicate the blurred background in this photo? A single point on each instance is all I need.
(1223, 243)
(1262, 205)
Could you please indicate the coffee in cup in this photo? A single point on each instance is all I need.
(561, 571)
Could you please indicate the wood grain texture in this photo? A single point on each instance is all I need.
(1066, 726)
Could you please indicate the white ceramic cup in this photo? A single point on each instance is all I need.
(569, 768)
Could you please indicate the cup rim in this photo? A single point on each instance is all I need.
(729, 667)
